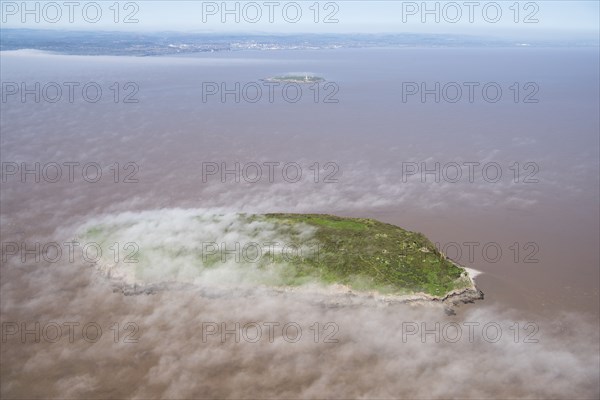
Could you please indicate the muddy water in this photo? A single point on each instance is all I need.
(541, 214)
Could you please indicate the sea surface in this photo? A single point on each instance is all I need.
(504, 179)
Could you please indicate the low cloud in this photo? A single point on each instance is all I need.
(367, 351)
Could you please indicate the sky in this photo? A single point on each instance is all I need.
(528, 19)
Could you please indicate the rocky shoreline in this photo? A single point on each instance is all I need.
(334, 296)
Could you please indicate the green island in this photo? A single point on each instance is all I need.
(280, 251)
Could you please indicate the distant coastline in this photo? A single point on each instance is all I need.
(174, 43)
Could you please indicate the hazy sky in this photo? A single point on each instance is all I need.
(500, 18)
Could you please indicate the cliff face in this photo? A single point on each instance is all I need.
(337, 297)
(463, 296)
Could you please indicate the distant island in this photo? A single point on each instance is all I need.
(359, 256)
(295, 79)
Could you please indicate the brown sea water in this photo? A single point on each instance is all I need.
(546, 227)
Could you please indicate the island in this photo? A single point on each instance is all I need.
(296, 78)
(282, 251)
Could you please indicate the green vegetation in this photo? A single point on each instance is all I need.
(365, 254)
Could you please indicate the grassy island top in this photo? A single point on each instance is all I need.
(276, 250)
(366, 254)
